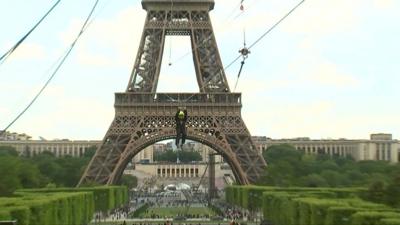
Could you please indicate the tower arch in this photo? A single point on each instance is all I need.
(143, 117)
(234, 164)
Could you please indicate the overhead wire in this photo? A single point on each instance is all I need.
(244, 53)
(263, 36)
(204, 42)
(7, 54)
(170, 63)
(234, 10)
(228, 21)
(170, 39)
(276, 24)
(210, 36)
(251, 46)
(63, 59)
(240, 4)
(225, 27)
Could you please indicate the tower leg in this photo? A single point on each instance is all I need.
(212, 190)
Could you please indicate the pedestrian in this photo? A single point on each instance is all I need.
(180, 119)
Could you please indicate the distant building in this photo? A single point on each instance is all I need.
(59, 148)
(159, 147)
(8, 136)
(378, 147)
(173, 170)
(145, 156)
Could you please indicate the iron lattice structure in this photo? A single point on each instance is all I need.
(144, 117)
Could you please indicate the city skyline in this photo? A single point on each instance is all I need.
(329, 70)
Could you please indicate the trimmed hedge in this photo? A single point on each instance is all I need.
(61, 206)
(312, 206)
(105, 197)
(372, 217)
(390, 221)
(4, 215)
(242, 195)
(49, 208)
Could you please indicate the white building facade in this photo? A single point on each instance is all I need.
(59, 148)
(378, 147)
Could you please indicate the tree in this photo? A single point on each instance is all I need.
(376, 192)
(333, 178)
(189, 156)
(290, 167)
(282, 152)
(313, 180)
(278, 174)
(9, 180)
(328, 165)
(393, 192)
(373, 166)
(356, 177)
(129, 181)
(167, 156)
(29, 175)
(70, 172)
(89, 153)
(38, 171)
(8, 150)
(184, 156)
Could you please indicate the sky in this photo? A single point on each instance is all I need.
(330, 70)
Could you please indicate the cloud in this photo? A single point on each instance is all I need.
(68, 117)
(315, 119)
(87, 58)
(108, 42)
(327, 73)
(383, 4)
(29, 51)
(316, 17)
(4, 110)
(303, 75)
(279, 119)
(280, 95)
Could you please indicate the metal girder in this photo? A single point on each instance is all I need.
(189, 18)
(144, 117)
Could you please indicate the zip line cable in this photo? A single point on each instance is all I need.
(228, 20)
(5, 56)
(244, 52)
(275, 25)
(211, 35)
(267, 32)
(170, 39)
(234, 10)
(263, 36)
(83, 29)
(65, 52)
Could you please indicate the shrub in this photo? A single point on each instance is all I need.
(50, 208)
(372, 217)
(312, 206)
(390, 221)
(64, 206)
(105, 197)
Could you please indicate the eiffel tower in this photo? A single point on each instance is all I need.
(144, 117)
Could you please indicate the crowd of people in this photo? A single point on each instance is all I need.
(170, 223)
(226, 212)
